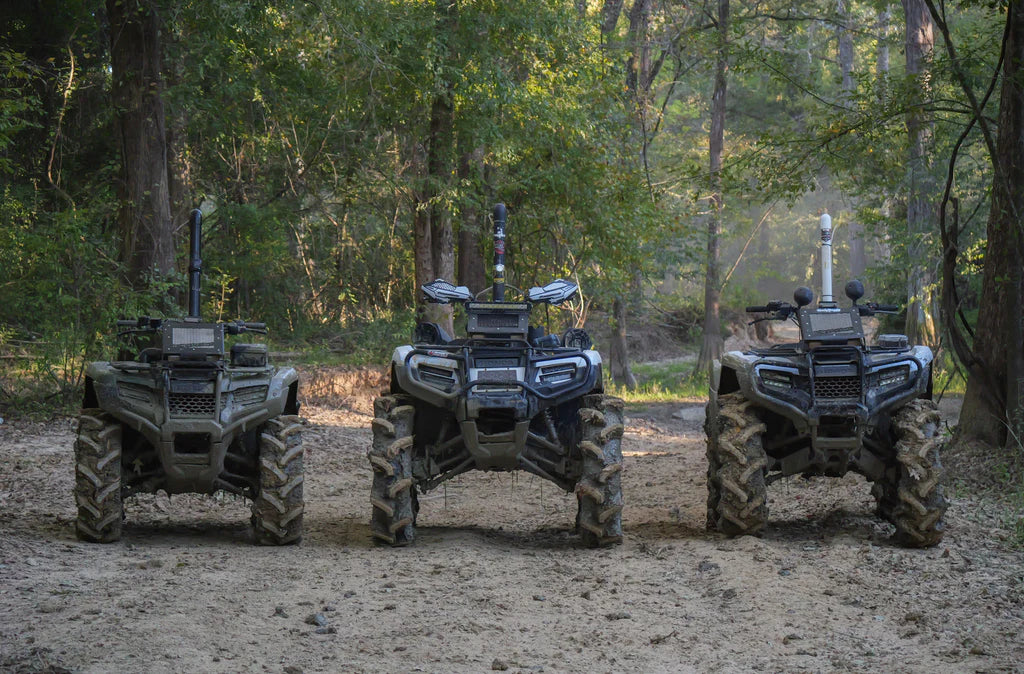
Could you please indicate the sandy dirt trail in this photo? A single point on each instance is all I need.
(496, 579)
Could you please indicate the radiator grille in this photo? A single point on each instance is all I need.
(837, 387)
(192, 405)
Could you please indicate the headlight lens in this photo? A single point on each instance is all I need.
(893, 377)
(776, 379)
(556, 374)
(439, 373)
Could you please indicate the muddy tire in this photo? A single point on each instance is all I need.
(910, 495)
(98, 477)
(737, 493)
(277, 509)
(714, 468)
(599, 490)
(392, 495)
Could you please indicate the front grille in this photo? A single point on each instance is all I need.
(496, 362)
(192, 405)
(837, 387)
(250, 395)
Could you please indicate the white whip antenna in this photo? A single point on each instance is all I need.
(826, 261)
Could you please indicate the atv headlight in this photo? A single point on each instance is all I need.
(776, 379)
(556, 374)
(894, 376)
(439, 373)
(560, 371)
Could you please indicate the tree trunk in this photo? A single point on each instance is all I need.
(762, 330)
(423, 258)
(471, 229)
(845, 50)
(921, 187)
(992, 405)
(711, 347)
(858, 260)
(434, 231)
(882, 55)
(621, 373)
(610, 16)
(144, 214)
(179, 168)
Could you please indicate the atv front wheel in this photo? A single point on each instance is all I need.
(714, 468)
(277, 509)
(599, 490)
(910, 494)
(98, 477)
(737, 493)
(393, 492)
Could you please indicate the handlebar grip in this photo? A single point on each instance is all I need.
(758, 310)
(887, 307)
(124, 323)
(254, 326)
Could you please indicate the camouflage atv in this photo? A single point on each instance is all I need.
(506, 397)
(186, 416)
(826, 405)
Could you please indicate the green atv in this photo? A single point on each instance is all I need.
(184, 415)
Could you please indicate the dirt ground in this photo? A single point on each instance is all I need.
(496, 579)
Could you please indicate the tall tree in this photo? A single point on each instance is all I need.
(433, 230)
(921, 187)
(993, 409)
(858, 259)
(712, 344)
(144, 214)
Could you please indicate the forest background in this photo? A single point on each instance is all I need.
(672, 157)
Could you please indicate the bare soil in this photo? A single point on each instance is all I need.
(496, 579)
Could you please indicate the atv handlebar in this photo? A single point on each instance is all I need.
(774, 305)
(780, 311)
(783, 310)
(147, 324)
(238, 327)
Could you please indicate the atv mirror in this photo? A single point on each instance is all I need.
(854, 290)
(803, 296)
(555, 292)
(443, 292)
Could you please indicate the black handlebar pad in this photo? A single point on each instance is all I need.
(238, 327)
(886, 307)
(122, 323)
(774, 305)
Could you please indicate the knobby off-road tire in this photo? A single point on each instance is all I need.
(277, 509)
(737, 493)
(98, 477)
(599, 490)
(714, 468)
(910, 495)
(392, 495)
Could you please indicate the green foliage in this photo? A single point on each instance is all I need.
(666, 381)
(302, 130)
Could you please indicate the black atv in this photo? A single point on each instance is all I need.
(506, 397)
(826, 405)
